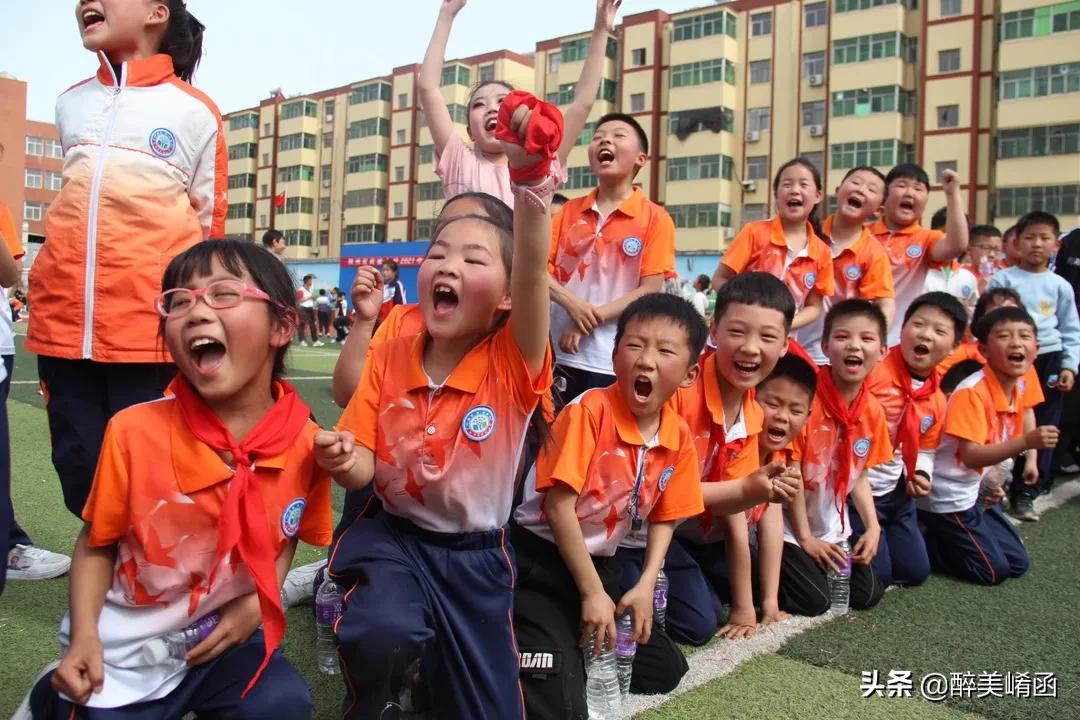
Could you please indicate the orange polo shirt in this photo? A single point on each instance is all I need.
(1030, 386)
(621, 479)
(909, 257)
(401, 321)
(446, 455)
(862, 269)
(157, 496)
(816, 447)
(761, 246)
(602, 259)
(702, 406)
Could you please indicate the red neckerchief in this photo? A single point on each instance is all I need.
(543, 136)
(847, 419)
(908, 431)
(796, 349)
(243, 522)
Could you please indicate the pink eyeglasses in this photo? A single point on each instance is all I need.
(220, 294)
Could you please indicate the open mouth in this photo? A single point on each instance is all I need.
(853, 362)
(775, 434)
(921, 351)
(207, 354)
(91, 19)
(907, 204)
(491, 123)
(642, 389)
(1016, 357)
(605, 156)
(445, 299)
(795, 203)
(746, 368)
(855, 201)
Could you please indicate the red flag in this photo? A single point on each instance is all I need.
(279, 200)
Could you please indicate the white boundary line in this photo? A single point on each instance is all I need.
(726, 656)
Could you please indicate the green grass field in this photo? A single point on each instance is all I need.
(945, 626)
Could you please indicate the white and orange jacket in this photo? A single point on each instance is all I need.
(145, 173)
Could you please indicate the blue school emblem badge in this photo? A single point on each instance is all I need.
(914, 251)
(861, 447)
(966, 291)
(665, 477)
(925, 424)
(290, 517)
(163, 142)
(478, 423)
(853, 272)
(810, 279)
(631, 246)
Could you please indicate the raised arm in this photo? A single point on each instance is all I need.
(588, 85)
(366, 295)
(955, 242)
(438, 117)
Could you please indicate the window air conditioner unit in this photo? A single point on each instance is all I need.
(752, 136)
(315, 250)
(729, 232)
(324, 216)
(816, 80)
(817, 130)
(326, 183)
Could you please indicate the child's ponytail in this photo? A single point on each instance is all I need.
(183, 40)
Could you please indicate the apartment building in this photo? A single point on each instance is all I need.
(727, 93)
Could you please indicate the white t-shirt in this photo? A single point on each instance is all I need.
(959, 282)
(305, 297)
(701, 302)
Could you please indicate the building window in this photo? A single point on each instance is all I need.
(370, 93)
(1039, 141)
(243, 150)
(402, 101)
(1039, 81)
(487, 73)
(243, 180)
(54, 149)
(877, 153)
(637, 57)
(34, 179)
(370, 232)
(637, 102)
(813, 113)
(240, 211)
(455, 75)
(852, 5)
(368, 128)
(875, 47)
(293, 173)
(328, 110)
(367, 163)
(704, 71)
(368, 197)
(33, 211)
(699, 167)
(263, 222)
(294, 141)
(813, 63)
(754, 211)
(35, 146)
(301, 108)
(608, 90)
(1056, 199)
(580, 178)
(324, 207)
(757, 167)
(554, 61)
(758, 119)
(815, 14)
(301, 205)
(760, 24)
(242, 122)
(705, 25)
(328, 140)
(399, 209)
(55, 181)
(950, 7)
(940, 168)
(586, 134)
(948, 60)
(760, 71)
(298, 238)
(948, 116)
(700, 215)
(265, 159)
(426, 154)
(399, 137)
(682, 124)
(266, 129)
(886, 98)
(264, 190)
(1039, 22)
(817, 159)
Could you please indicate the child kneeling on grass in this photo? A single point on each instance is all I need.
(195, 509)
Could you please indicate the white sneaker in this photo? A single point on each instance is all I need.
(26, 562)
(318, 343)
(23, 712)
(299, 585)
(304, 343)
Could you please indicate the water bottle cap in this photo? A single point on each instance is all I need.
(155, 652)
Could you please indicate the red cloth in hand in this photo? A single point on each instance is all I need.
(243, 516)
(846, 418)
(543, 135)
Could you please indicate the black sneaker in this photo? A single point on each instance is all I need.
(1022, 508)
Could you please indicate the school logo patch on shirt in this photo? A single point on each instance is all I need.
(914, 251)
(861, 447)
(925, 424)
(966, 291)
(631, 246)
(853, 272)
(163, 142)
(290, 517)
(810, 279)
(665, 477)
(478, 423)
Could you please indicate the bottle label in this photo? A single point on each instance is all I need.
(625, 646)
(660, 597)
(327, 613)
(206, 624)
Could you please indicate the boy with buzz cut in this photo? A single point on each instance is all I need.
(619, 456)
(913, 249)
(845, 435)
(750, 327)
(983, 432)
(906, 385)
(1051, 302)
(607, 249)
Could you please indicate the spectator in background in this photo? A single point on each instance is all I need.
(274, 241)
(700, 300)
(1067, 265)
(393, 289)
(305, 301)
(323, 311)
(953, 277)
(341, 315)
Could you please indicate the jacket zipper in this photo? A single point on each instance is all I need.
(92, 219)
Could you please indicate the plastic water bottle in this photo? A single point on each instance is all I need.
(659, 600)
(994, 479)
(601, 683)
(625, 650)
(986, 267)
(840, 583)
(178, 643)
(328, 608)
